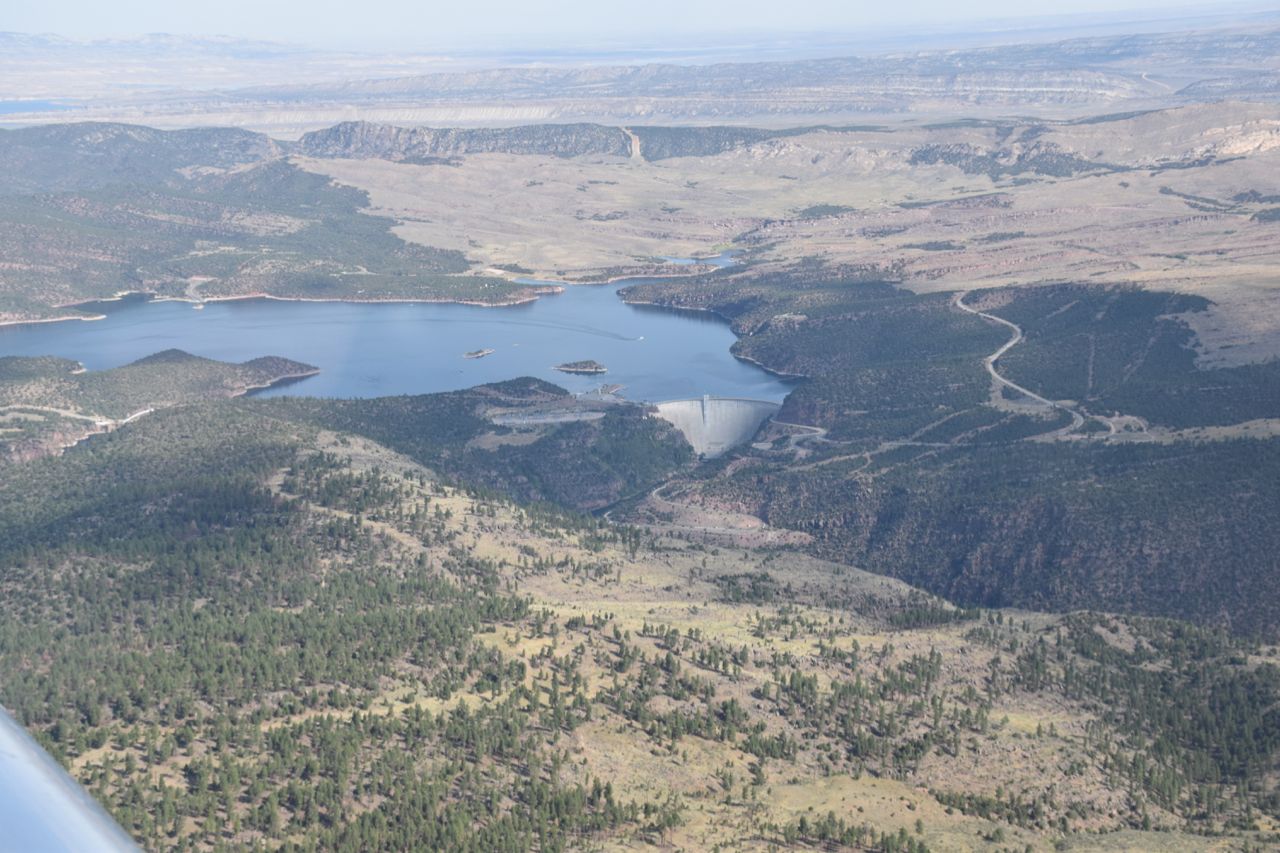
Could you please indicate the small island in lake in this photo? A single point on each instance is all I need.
(582, 367)
(477, 353)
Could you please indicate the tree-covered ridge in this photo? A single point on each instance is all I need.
(47, 403)
(1181, 530)
(164, 379)
(90, 155)
(1141, 492)
(585, 465)
(205, 639)
(614, 450)
(1130, 351)
(241, 629)
(270, 228)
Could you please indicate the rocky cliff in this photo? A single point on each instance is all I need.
(365, 140)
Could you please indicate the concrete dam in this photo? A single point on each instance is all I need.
(715, 424)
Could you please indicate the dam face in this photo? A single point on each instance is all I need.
(715, 424)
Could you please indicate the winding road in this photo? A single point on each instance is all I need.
(1077, 419)
(97, 420)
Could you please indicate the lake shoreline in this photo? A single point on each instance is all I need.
(658, 352)
(542, 287)
(781, 374)
(549, 289)
(68, 318)
(279, 380)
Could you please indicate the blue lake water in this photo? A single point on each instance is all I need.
(372, 350)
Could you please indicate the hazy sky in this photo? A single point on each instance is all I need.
(431, 22)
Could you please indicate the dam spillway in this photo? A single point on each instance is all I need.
(713, 425)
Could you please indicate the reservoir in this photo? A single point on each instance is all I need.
(380, 349)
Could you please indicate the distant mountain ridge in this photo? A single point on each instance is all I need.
(81, 156)
(90, 155)
(361, 139)
(289, 90)
(1100, 64)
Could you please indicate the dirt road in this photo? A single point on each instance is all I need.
(1077, 420)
